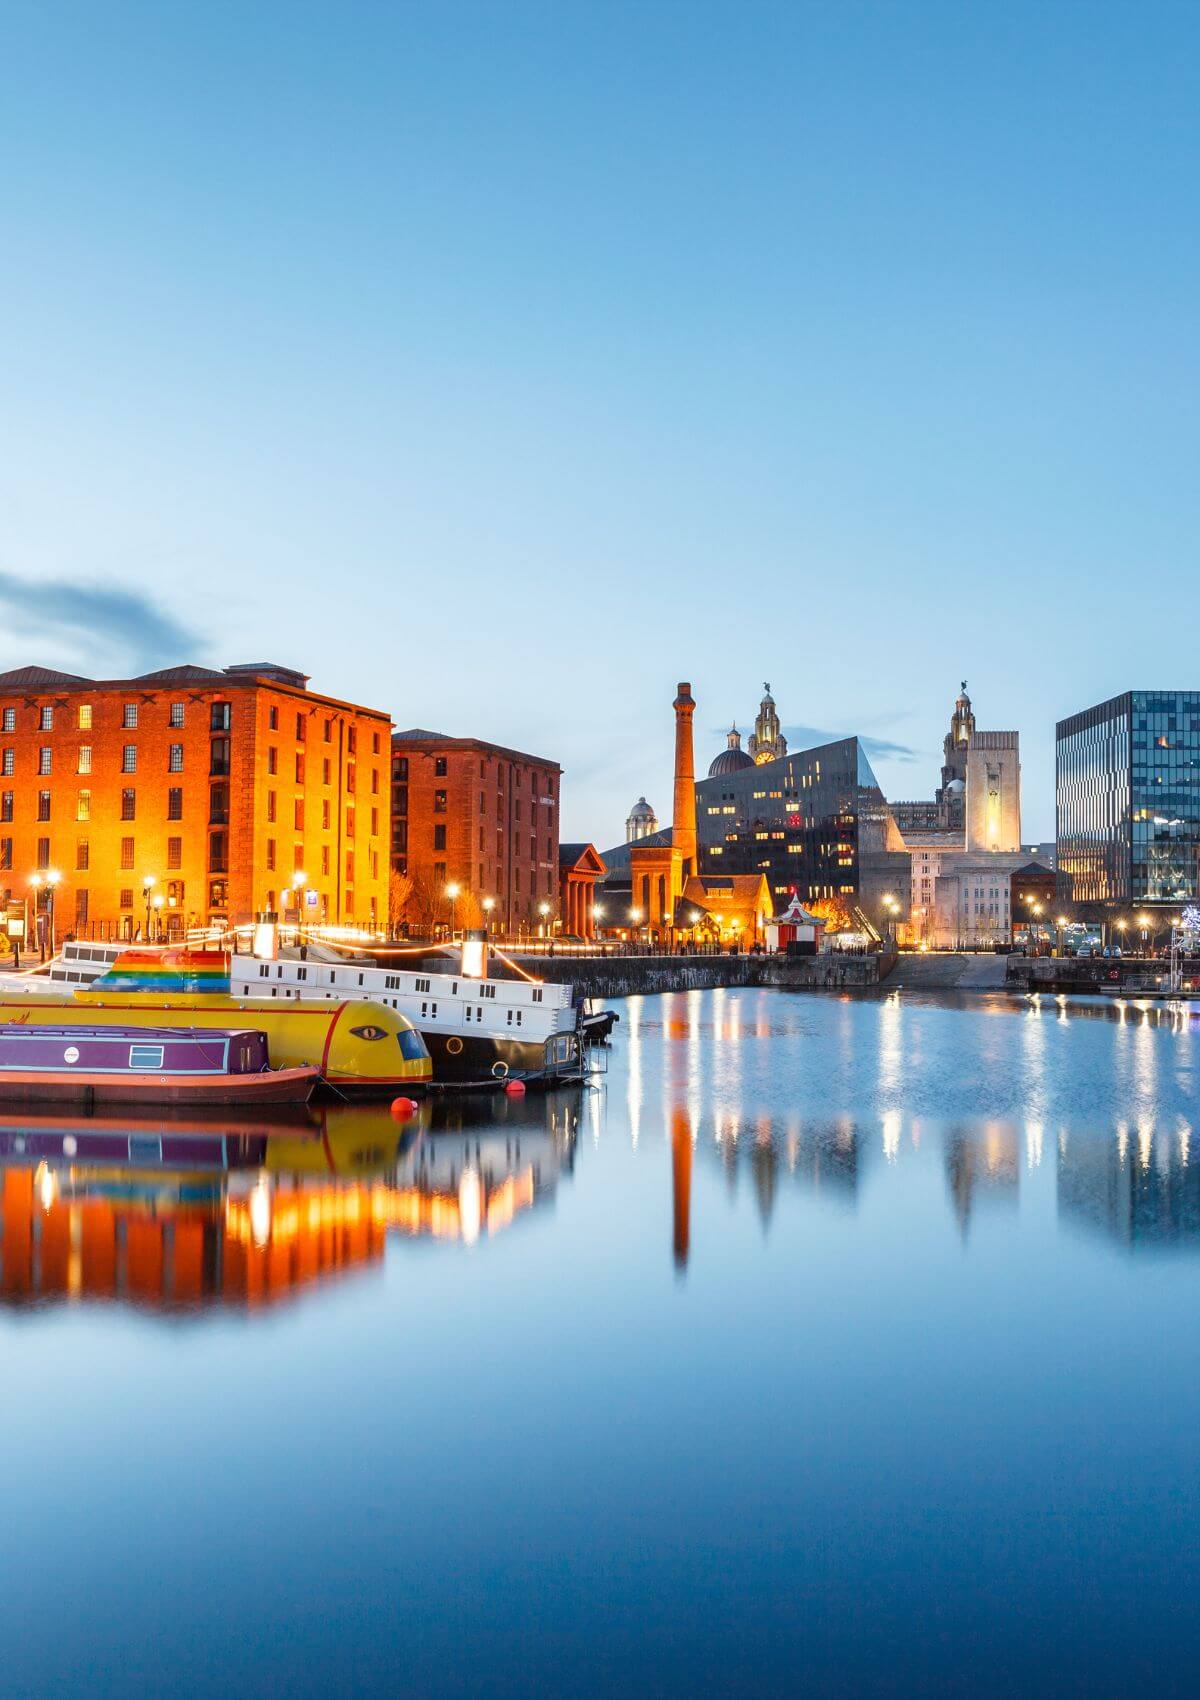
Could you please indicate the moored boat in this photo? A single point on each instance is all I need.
(356, 1045)
(144, 1065)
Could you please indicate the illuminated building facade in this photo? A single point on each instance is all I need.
(190, 796)
(815, 823)
(1128, 801)
(965, 842)
(475, 831)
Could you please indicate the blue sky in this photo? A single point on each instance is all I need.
(501, 365)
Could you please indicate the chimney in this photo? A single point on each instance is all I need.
(683, 827)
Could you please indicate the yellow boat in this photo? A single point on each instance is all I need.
(358, 1046)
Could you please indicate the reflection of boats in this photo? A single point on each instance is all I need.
(180, 1213)
(473, 1026)
(357, 1046)
(143, 1065)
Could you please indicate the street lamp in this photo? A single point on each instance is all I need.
(159, 900)
(543, 911)
(1143, 922)
(49, 878)
(489, 903)
(452, 891)
(299, 887)
(1062, 935)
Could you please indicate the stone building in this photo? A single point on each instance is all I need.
(475, 829)
(966, 842)
(190, 796)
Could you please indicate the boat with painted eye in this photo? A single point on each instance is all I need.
(81, 1064)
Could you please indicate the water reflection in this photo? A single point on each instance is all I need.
(1142, 1192)
(178, 1215)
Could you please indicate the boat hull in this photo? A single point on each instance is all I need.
(276, 1086)
(481, 1056)
(356, 1046)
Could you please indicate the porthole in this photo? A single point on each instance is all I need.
(454, 1045)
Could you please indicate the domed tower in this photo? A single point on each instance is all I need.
(641, 823)
(950, 797)
(732, 757)
(767, 742)
(962, 722)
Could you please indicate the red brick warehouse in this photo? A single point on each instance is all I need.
(475, 827)
(199, 796)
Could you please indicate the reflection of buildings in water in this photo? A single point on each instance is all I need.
(825, 1156)
(169, 1218)
(1141, 1186)
(982, 1163)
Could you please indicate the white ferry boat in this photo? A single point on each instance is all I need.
(474, 1026)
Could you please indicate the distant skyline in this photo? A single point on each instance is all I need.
(500, 367)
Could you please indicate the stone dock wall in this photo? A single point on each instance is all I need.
(606, 977)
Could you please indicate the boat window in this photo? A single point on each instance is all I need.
(421, 985)
(264, 969)
(302, 974)
(518, 1018)
(510, 1018)
(145, 1056)
(537, 994)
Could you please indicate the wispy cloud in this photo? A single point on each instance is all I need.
(79, 619)
(803, 737)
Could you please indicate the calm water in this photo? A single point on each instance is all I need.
(831, 1347)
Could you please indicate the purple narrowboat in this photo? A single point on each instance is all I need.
(144, 1065)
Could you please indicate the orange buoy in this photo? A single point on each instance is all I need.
(403, 1108)
(515, 1089)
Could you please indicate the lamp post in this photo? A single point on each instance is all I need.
(544, 912)
(159, 900)
(47, 879)
(148, 884)
(452, 891)
(1143, 922)
(489, 903)
(1062, 935)
(1122, 928)
(300, 888)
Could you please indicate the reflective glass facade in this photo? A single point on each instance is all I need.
(815, 822)
(1128, 803)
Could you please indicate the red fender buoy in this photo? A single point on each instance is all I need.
(515, 1089)
(403, 1108)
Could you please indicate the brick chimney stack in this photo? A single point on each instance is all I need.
(683, 827)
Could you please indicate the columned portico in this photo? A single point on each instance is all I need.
(579, 867)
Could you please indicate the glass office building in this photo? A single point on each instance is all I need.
(1128, 800)
(814, 821)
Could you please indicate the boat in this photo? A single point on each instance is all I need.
(475, 1027)
(144, 1065)
(357, 1046)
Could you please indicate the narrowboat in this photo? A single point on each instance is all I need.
(144, 1065)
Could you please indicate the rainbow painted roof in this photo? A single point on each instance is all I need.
(172, 969)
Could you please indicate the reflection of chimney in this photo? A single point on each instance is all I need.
(681, 1184)
(683, 827)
